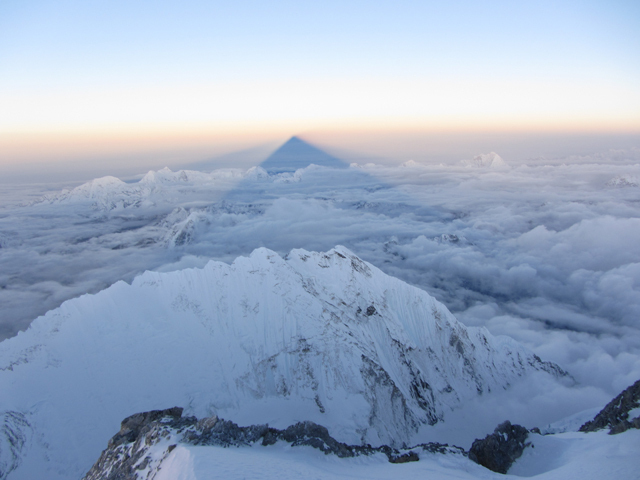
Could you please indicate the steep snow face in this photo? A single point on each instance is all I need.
(324, 337)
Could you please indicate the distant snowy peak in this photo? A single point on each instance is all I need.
(166, 176)
(256, 173)
(623, 181)
(96, 188)
(411, 164)
(110, 193)
(324, 337)
(491, 160)
(100, 185)
(105, 193)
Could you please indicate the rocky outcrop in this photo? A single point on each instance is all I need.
(146, 439)
(15, 435)
(125, 455)
(618, 415)
(500, 449)
(131, 427)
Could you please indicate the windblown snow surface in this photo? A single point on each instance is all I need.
(567, 456)
(324, 337)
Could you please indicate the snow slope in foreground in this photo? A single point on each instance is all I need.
(324, 337)
(567, 456)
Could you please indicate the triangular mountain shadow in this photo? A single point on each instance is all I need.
(295, 154)
(256, 191)
(287, 210)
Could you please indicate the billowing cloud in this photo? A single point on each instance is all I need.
(547, 255)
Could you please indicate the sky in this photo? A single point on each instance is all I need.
(123, 83)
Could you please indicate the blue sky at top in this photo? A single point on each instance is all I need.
(76, 66)
(119, 41)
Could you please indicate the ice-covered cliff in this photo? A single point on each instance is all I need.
(323, 337)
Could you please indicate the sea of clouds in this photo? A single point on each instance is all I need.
(546, 254)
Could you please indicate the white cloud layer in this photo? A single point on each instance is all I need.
(548, 255)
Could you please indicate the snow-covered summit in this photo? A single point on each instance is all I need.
(165, 187)
(108, 193)
(411, 164)
(94, 189)
(324, 337)
(491, 160)
(622, 181)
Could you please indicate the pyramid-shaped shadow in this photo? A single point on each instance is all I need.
(276, 175)
(285, 174)
(295, 154)
(307, 207)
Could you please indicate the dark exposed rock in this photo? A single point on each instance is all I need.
(224, 433)
(442, 448)
(316, 436)
(128, 451)
(130, 427)
(371, 310)
(615, 415)
(15, 434)
(500, 449)
(405, 458)
(551, 368)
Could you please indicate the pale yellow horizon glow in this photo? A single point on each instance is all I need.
(319, 104)
(200, 119)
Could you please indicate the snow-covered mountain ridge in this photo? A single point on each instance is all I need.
(163, 187)
(145, 440)
(109, 193)
(323, 337)
(152, 445)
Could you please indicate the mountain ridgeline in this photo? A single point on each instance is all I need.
(320, 337)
